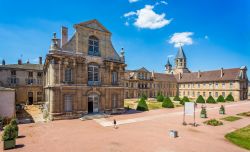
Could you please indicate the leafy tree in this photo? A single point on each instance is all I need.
(167, 103)
(220, 99)
(184, 99)
(142, 105)
(210, 99)
(177, 98)
(230, 97)
(200, 99)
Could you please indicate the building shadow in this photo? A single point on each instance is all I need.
(24, 117)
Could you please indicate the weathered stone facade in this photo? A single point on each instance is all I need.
(26, 79)
(85, 75)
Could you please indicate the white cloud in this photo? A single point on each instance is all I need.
(126, 23)
(206, 37)
(183, 38)
(132, 1)
(170, 56)
(129, 14)
(164, 2)
(147, 18)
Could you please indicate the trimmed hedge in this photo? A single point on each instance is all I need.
(210, 99)
(220, 99)
(230, 97)
(167, 103)
(9, 133)
(177, 98)
(184, 99)
(160, 98)
(200, 99)
(142, 105)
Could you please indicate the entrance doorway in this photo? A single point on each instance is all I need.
(93, 103)
(30, 98)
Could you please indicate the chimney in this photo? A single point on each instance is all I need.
(40, 60)
(19, 61)
(221, 72)
(199, 74)
(28, 62)
(3, 62)
(179, 76)
(64, 35)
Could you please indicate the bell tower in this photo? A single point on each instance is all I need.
(181, 62)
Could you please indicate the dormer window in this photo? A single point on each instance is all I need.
(93, 46)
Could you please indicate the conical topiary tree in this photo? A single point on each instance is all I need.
(200, 99)
(220, 99)
(184, 99)
(167, 103)
(144, 96)
(160, 98)
(142, 105)
(210, 99)
(230, 97)
(177, 98)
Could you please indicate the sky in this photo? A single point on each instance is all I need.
(213, 34)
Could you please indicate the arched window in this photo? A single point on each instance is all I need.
(93, 74)
(93, 46)
(68, 75)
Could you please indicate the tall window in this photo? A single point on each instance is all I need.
(93, 74)
(68, 75)
(114, 77)
(114, 101)
(231, 85)
(30, 74)
(93, 46)
(13, 73)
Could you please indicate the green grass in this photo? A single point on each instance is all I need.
(231, 118)
(154, 105)
(213, 122)
(240, 137)
(245, 114)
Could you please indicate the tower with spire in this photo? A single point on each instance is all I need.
(181, 62)
(168, 68)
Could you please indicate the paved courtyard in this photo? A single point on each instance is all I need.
(139, 132)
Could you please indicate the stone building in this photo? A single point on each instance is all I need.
(25, 78)
(7, 103)
(141, 81)
(84, 74)
(208, 83)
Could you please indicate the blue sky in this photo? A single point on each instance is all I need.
(213, 33)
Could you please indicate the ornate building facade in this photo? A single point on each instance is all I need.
(25, 78)
(84, 74)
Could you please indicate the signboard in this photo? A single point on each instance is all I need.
(189, 108)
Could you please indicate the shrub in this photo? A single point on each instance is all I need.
(13, 123)
(210, 99)
(160, 98)
(213, 122)
(142, 105)
(184, 99)
(200, 99)
(220, 99)
(144, 96)
(167, 103)
(9, 133)
(177, 98)
(230, 97)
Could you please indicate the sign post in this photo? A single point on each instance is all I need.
(189, 109)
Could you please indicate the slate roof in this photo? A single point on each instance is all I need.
(180, 54)
(206, 76)
(23, 66)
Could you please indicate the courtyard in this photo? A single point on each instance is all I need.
(137, 131)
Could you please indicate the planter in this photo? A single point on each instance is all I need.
(173, 133)
(8, 144)
(222, 112)
(203, 115)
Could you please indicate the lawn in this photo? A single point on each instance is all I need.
(246, 114)
(152, 104)
(240, 137)
(231, 118)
